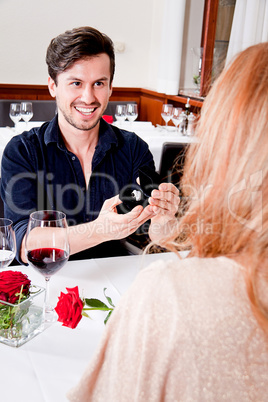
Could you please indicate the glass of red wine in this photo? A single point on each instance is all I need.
(47, 248)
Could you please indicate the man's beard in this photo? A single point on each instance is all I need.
(82, 127)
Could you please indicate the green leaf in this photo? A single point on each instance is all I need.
(108, 298)
(96, 304)
(98, 308)
(107, 317)
(86, 315)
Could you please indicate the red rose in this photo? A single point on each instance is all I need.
(69, 308)
(10, 285)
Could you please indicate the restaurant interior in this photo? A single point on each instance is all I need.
(167, 52)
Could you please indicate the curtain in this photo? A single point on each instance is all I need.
(171, 47)
(250, 26)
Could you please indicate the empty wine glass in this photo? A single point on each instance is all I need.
(132, 112)
(47, 248)
(26, 112)
(121, 113)
(15, 114)
(166, 113)
(7, 242)
(176, 117)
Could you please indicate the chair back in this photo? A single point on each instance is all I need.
(172, 162)
(43, 110)
(111, 107)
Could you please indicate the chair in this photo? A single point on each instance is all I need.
(172, 162)
(43, 110)
(170, 170)
(111, 107)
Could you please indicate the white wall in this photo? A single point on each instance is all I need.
(26, 28)
(192, 38)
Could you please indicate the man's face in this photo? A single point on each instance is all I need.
(82, 92)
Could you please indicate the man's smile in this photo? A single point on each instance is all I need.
(85, 110)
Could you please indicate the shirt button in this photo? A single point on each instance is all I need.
(73, 158)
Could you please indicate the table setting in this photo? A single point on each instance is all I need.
(45, 348)
(156, 136)
(46, 365)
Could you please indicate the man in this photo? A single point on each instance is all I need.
(78, 163)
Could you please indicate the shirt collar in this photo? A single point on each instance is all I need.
(52, 133)
(107, 136)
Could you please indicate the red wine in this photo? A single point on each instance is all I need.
(47, 260)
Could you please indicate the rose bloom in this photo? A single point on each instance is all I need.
(69, 307)
(10, 285)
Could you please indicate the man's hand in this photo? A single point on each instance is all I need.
(113, 226)
(164, 203)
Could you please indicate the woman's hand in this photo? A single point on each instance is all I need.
(164, 203)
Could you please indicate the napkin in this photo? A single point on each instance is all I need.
(108, 118)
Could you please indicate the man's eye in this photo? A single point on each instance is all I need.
(76, 83)
(99, 84)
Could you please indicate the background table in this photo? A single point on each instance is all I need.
(46, 367)
(6, 133)
(155, 136)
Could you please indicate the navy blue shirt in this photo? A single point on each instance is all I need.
(38, 172)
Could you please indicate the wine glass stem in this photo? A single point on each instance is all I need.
(47, 294)
(49, 313)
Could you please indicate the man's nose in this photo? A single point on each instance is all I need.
(88, 95)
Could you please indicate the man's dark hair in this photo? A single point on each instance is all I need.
(78, 43)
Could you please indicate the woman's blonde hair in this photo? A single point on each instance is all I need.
(225, 175)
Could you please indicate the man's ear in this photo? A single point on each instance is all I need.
(51, 87)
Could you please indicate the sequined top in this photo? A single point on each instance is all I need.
(184, 331)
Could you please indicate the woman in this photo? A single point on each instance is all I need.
(197, 329)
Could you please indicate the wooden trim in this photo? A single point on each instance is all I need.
(208, 41)
(182, 99)
(20, 91)
(34, 92)
(149, 102)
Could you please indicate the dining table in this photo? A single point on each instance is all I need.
(6, 133)
(51, 363)
(156, 136)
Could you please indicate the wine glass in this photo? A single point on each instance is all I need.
(176, 117)
(166, 113)
(7, 242)
(121, 113)
(15, 114)
(47, 248)
(26, 112)
(132, 112)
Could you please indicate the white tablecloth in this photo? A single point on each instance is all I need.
(155, 136)
(46, 367)
(6, 133)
